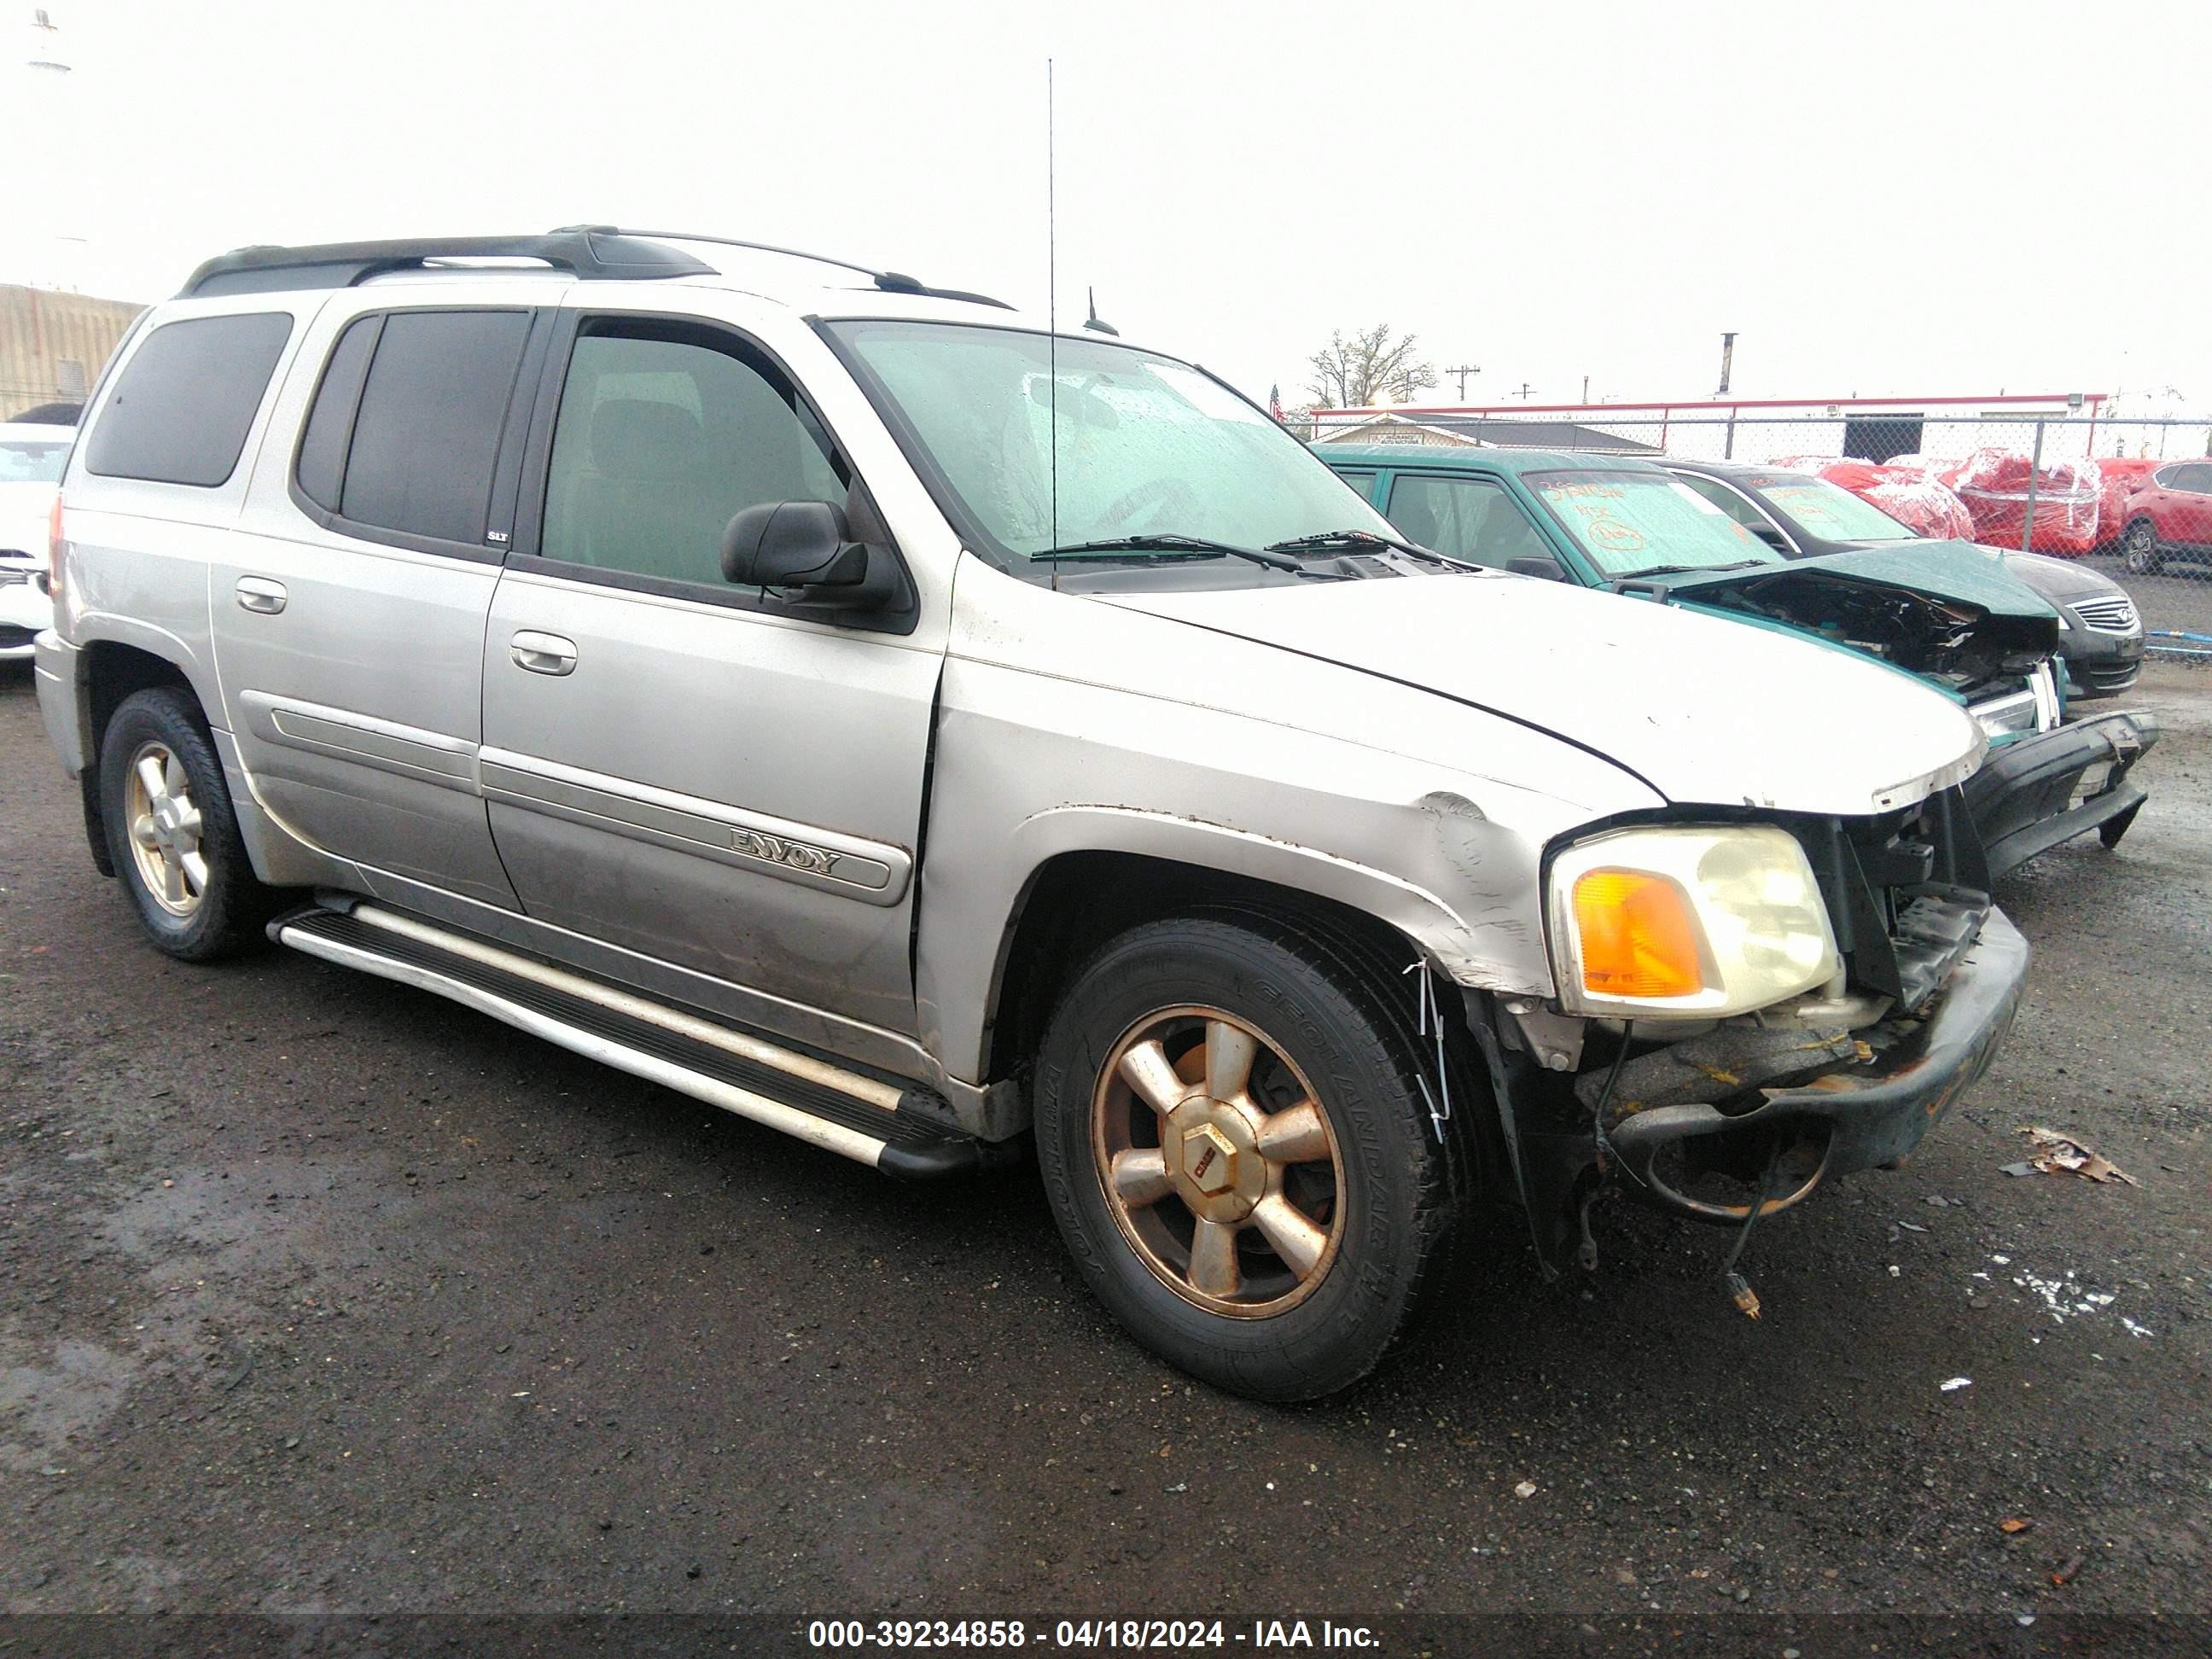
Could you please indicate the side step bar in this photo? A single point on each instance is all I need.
(866, 1119)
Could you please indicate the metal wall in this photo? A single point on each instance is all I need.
(53, 344)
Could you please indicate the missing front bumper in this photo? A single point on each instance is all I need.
(1850, 1119)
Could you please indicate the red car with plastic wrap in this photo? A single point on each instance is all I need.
(2120, 475)
(1997, 486)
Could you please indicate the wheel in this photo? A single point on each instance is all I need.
(1238, 1153)
(2139, 548)
(171, 831)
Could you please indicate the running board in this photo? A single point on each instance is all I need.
(882, 1124)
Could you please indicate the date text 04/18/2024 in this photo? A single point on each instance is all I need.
(1259, 1636)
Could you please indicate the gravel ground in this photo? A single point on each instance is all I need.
(324, 1294)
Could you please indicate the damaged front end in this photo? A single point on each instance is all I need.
(1954, 618)
(1716, 1120)
(1950, 616)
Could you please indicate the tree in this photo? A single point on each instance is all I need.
(1368, 368)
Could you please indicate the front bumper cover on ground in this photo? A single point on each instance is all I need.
(1861, 1119)
(2032, 794)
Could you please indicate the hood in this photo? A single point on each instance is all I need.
(1701, 709)
(1945, 609)
(2060, 581)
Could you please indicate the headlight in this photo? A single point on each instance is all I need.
(1705, 921)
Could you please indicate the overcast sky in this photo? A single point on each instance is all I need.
(1936, 198)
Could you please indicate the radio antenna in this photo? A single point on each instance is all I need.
(1052, 317)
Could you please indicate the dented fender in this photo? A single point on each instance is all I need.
(1237, 757)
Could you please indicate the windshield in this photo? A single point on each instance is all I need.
(24, 460)
(1632, 524)
(1148, 446)
(1831, 511)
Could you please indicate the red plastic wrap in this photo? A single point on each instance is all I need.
(1994, 485)
(1911, 490)
(2119, 474)
(1911, 493)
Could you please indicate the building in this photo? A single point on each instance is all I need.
(52, 345)
(1328, 427)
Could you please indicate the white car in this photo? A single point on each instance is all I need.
(31, 462)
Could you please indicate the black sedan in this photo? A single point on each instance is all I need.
(2101, 637)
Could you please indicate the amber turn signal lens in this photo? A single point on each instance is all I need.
(1638, 938)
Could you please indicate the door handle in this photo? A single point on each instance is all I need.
(543, 653)
(261, 594)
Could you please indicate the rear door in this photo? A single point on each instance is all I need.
(676, 765)
(348, 621)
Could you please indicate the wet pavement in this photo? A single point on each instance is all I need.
(322, 1294)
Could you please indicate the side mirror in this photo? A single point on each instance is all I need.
(791, 545)
(807, 546)
(1548, 568)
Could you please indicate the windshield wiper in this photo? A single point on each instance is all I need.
(1173, 545)
(1328, 539)
(1680, 569)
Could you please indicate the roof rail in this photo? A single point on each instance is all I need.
(584, 250)
(892, 282)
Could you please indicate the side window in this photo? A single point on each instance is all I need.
(662, 437)
(1362, 482)
(2195, 478)
(321, 469)
(1735, 506)
(428, 430)
(183, 404)
(1470, 518)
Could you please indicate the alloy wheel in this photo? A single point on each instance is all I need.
(2140, 547)
(1217, 1161)
(164, 830)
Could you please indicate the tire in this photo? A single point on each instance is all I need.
(1371, 1217)
(2139, 548)
(178, 854)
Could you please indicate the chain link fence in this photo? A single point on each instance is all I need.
(2132, 498)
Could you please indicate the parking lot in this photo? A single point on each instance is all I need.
(324, 1295)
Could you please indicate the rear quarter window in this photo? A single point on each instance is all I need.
(184, 402)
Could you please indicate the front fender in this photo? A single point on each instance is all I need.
(1030, 769)
(1451, 939)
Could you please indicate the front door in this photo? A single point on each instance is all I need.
(676, 765)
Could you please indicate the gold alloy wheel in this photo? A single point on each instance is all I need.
(164, 830)
(1217, 1161)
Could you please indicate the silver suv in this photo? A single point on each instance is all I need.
(862, 710)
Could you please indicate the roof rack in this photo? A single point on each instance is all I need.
(892, 282)
(584, 250)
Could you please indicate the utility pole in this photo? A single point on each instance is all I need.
(1462, 371)
(1526, 391)
(1585, 388)
(1728, 358)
